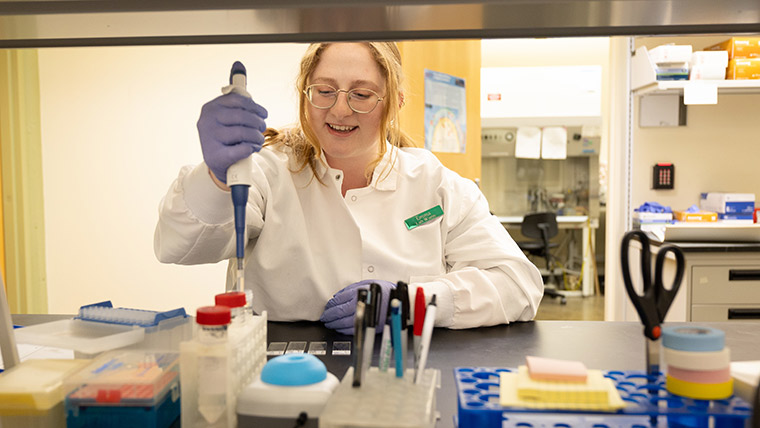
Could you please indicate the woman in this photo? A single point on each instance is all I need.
(334, 204)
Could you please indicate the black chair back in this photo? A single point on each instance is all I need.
(542, 226)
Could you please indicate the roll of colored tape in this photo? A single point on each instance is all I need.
(693, 338)
(715, 360)
(699, 391)
(700, 376)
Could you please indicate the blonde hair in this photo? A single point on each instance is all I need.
(302, 139)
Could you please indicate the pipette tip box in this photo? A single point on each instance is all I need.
(132, 388)
(478, 403)
(100, 327)
(32, 393)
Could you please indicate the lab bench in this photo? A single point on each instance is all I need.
(721, 282)
(603, 345)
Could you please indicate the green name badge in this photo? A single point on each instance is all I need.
(423, 217)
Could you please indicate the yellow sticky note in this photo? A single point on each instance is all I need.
(597, 393)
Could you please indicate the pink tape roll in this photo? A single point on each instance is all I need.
(700, 376)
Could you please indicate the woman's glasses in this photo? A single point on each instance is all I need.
(359, 100)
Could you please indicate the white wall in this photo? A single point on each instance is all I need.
(117, 125)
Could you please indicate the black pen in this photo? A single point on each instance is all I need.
(359, 317)
(371, 315)
(402, 293)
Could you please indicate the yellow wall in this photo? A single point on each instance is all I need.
(460, 58)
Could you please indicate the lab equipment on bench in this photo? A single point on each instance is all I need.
(100, 327)
(653, 303)
(206, 377)
(290, 387)
(132, 388)
(247, 337)
(32, 393)
(478, 402)
(383, 401)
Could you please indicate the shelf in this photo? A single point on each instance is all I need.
(644, 81)
(678, 86)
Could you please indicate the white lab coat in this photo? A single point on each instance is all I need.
(307, 241)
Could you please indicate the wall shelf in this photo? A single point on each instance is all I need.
(644, 81)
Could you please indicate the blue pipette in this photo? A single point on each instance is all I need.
(239, 178)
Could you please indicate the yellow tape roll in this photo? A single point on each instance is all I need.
(699, 391)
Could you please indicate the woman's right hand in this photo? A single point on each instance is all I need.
(231, 128)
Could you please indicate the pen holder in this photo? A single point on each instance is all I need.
(383, 400)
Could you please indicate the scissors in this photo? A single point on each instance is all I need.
(653, 304)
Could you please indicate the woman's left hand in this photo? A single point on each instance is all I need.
(339, 311)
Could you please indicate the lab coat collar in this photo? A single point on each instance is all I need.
(385, 176)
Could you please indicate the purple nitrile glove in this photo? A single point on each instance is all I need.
(339, 311)
(231, 128)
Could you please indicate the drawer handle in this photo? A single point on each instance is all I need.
(744, 275)
(744, 314)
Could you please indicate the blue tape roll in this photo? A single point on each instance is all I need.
(693, 338)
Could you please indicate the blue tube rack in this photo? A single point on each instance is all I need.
(647, 405)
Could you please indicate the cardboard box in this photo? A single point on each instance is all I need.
(697, 216)
(743, 69)
(728, 203)
(739, 47)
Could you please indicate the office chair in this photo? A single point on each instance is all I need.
(542, 227)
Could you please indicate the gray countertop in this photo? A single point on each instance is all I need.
(603, 345)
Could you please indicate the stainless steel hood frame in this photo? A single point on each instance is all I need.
(32, 23)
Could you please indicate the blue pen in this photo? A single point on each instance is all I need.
(396, 333)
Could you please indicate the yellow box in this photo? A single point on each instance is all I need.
(741, 69)
(739, 47)
(697, 216)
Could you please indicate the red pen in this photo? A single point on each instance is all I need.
(419, 320)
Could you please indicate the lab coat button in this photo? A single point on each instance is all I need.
(337, 177)
(353, 198)
(370, 269)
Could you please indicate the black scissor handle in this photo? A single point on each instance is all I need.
(664, 296)
(645, 303)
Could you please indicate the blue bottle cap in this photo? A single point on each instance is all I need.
(294, 370)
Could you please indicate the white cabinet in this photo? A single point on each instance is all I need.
(721, 282)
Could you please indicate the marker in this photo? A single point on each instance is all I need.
(359, 317)
(419, 319)
(396, 333)
(427, 333)
(371, 315)
(386, 348)
(402, 291)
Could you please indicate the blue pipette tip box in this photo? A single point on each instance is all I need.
(125, 389)
(478, 405)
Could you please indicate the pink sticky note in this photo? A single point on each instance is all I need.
(540, 368)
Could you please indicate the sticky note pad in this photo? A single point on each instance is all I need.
(540, 368)
(597, 393)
